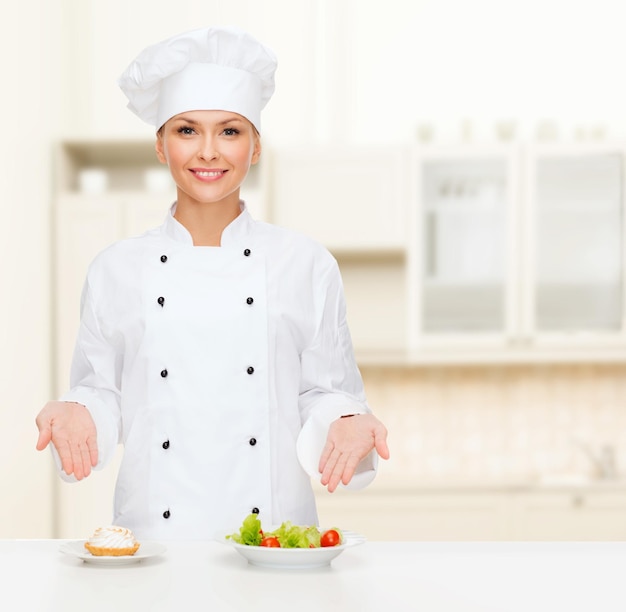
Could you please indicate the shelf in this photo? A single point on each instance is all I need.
(101, 166)
(111, 153)
(371, 254)
(112, 166)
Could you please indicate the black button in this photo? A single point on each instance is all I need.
(247, 252)
(255, 510)
(250, 370)
(166, 514)
(161, 301)
(249, 300)
(252, 441)
(166, 444)
(163, 258)
(164, 373)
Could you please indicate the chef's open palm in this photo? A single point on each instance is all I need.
(71, 429)
(349, 441)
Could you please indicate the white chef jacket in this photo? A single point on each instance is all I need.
(205, 363)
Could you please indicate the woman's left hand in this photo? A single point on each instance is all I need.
(350, 439)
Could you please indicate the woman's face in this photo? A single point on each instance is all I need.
(209, 153)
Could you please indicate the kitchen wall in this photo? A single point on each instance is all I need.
(349, 72)
(30, 52)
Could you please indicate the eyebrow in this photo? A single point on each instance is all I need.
(219, 123)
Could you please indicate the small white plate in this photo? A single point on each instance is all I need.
(296, 558)
(146, 550)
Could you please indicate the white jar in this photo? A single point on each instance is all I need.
(93, 180)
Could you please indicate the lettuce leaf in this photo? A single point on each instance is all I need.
(296, 536)
(289, 535)
(249, 533)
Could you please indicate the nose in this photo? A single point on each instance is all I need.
(208, 150)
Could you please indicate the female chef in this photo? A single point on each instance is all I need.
(215, 347)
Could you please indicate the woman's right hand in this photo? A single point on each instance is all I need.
(69, 426)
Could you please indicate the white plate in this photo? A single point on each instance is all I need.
(146, 550)
(296, 558)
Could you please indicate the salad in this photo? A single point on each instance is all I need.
(287, 535)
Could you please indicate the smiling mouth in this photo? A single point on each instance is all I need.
(209, 173)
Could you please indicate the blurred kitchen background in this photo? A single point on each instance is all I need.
(463, 159)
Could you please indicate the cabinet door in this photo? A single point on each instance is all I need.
(348, 199)
(570, 516)
(464, 246)
(419, 516)
(84, 226)
(143, 212)
(576, 244)
(376, 306)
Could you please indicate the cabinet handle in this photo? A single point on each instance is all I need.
(521, 341)
(578, 501)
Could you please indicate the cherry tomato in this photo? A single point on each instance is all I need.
(270, 542)
(330, 538)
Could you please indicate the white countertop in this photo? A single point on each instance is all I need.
(376, 576)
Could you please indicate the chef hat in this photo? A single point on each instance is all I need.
(218, 68)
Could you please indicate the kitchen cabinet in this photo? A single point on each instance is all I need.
(574, 223)
(352, 199)
(570, 515)
(375, 290)
(477, 513)
(464, 245)
(517, 253)
(428, 514)
(355, 201)
(416, 515)
(468, 253)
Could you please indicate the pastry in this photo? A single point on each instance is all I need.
(112, 541)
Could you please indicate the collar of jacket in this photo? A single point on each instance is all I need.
(233, 233)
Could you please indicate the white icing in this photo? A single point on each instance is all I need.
(112, 537)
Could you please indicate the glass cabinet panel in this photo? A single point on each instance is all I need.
(578, 250)
(464, 245)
